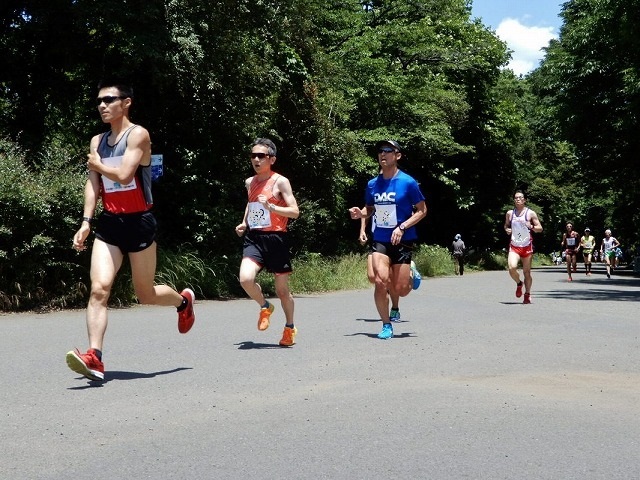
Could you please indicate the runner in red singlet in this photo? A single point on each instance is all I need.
(120, 176)
(518, 224)
(264, 227)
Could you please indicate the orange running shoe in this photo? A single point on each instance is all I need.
(288, 336)
(86, 364)
(265, 316)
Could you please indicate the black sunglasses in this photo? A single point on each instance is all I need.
(109, 99)
(260, 155)
(386, 150)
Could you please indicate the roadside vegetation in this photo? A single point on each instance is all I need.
(325, 80)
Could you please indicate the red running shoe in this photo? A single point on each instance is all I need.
(86, 364)
(527, 298)
(519, 290)
(186, 317)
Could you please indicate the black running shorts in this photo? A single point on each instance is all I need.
(270, 250)
(130, 232)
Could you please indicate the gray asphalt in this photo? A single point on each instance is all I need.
(474, 385)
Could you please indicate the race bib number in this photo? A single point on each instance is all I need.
(109, 185)
(258, 216)
(386, 216)
(571, 242)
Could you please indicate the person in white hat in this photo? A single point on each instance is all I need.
(587, 243)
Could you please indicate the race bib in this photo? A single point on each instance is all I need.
(258, 216)
(109, 185)
(386, 216)
(571, 242)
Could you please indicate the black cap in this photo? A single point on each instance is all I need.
(393, 143)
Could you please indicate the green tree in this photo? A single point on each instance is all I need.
(588, 87)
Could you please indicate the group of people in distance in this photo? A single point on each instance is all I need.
(572, 243)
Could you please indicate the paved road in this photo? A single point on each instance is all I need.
(473, 385)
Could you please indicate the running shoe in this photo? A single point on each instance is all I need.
(86, 364)
(387, 331)
(394, 315)
(527, 298)
(415, 275)
(288, 336)
(519, 289)
(186, 317)
(265, 316)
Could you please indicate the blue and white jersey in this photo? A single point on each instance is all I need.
(394, 199)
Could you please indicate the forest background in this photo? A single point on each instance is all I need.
(325, 79)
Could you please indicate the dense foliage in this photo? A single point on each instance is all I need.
(325, 79)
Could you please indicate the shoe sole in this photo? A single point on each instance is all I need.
(76, 364)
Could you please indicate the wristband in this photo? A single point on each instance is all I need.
(87, 219)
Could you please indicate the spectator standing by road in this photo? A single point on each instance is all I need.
(458, 248)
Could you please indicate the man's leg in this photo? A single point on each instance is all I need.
(381, 269)
(400, 280)
(248, 272)
(106, 260)
(526, 270)
(284, 294)
(512, 262)
(143, 273)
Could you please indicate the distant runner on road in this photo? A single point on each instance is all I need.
(519, 223)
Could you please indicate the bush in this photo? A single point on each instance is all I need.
(39, 211)
(433, 260)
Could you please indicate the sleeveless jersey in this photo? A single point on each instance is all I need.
(259, 217)
(520, 234)
(588, 243)
(608, 244)
(571, 240)
(117, 198)
(394, 199)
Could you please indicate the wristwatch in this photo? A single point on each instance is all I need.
(402, 227)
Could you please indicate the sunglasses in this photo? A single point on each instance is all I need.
(108, 99)
(260, 155)
(386, 150)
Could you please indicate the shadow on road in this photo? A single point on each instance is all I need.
(591, 294)
(256, 346)
(375, 335)
(120, 375)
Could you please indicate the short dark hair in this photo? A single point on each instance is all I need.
(124, 89)
(265, 142)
